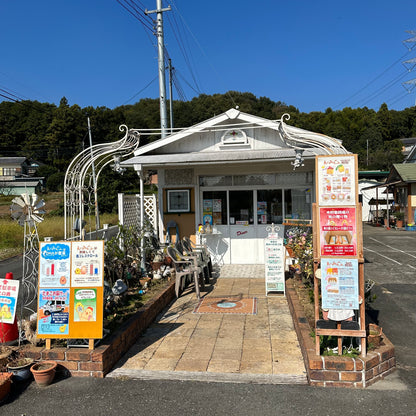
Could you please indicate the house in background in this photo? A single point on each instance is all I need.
(16, 176)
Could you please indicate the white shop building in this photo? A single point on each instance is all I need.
(238, 172)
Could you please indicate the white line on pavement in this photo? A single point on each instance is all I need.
(393, 248)
(388, 258)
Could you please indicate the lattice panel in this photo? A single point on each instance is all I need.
(129, 210)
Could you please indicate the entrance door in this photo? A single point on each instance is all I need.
(243, 243)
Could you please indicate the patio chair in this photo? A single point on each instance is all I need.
(203, 261)
(199, 248)
(184, 269)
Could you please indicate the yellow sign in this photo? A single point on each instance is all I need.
(70, 295)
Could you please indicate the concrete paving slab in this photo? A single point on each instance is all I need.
(223, 347)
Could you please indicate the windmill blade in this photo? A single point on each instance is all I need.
(17, 214)
(21, 220)
(39, 211)
(40, 204)
(34, 199)
(36, 218)
(26, 198)
(18, 201)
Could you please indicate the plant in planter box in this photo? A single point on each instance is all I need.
(299, 240)
(399, 218)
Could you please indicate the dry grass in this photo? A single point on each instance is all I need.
(11, 233)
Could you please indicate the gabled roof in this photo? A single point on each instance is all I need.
(190, 146)
(12, 160)
(406, 172)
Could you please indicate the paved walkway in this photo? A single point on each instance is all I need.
(183, 345)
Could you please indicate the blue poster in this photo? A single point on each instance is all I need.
(339, 284)
(54, 259)
(53, 311)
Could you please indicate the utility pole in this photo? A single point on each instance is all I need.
(161, 62)
(170, 96)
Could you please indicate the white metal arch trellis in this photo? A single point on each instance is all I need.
(80, 188)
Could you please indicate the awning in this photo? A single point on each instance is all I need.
(382, 185)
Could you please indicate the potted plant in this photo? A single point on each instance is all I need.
(44, 372)
(20, 368)
(399, 219)
(158, 260)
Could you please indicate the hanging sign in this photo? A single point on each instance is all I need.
(274, 263)
(338, 231)
(9, 290)
(339, 284)
(336, 184)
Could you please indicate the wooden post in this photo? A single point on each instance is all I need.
(48, 344)
(91, 344)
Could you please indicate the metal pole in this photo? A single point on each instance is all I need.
(170, 96)
(97, 217)
(161, 61)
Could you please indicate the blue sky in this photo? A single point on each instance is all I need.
(309, 54)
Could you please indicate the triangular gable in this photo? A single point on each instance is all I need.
(230, 115)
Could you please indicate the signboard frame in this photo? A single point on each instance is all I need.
(77, 269)
(274, 261)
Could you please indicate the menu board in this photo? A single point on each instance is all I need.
(274, 263)
(70, 298)
(338, 231)
(336, 180)
(339, 284)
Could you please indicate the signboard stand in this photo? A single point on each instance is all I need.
(338, 250)
(274, 253)
(70, 290)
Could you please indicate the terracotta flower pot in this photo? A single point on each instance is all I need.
(44, 372)
(5, 385)
(156, 265)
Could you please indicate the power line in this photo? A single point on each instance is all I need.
(132, 9)
(382, 89)
(372, 81)
(135, 95)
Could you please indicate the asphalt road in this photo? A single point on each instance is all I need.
(390, 262)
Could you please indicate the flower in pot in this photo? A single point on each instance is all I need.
(20, 368)
(44, 372)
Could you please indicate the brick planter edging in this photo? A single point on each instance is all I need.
(338, 371)
(82, 362)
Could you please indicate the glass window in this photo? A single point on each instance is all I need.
(214, 207)
(178, 201)
(298, 203)
(241, 207)
(266, 179)
(215, 180)
(269, 206)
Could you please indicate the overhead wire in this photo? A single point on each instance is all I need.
(132, 9)
(382, 89)
(202, 50)
(183, 48)
(372, 81)
(144, 88)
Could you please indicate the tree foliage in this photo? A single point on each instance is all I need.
(52, 135)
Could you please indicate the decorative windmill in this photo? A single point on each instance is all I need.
(27, 210)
